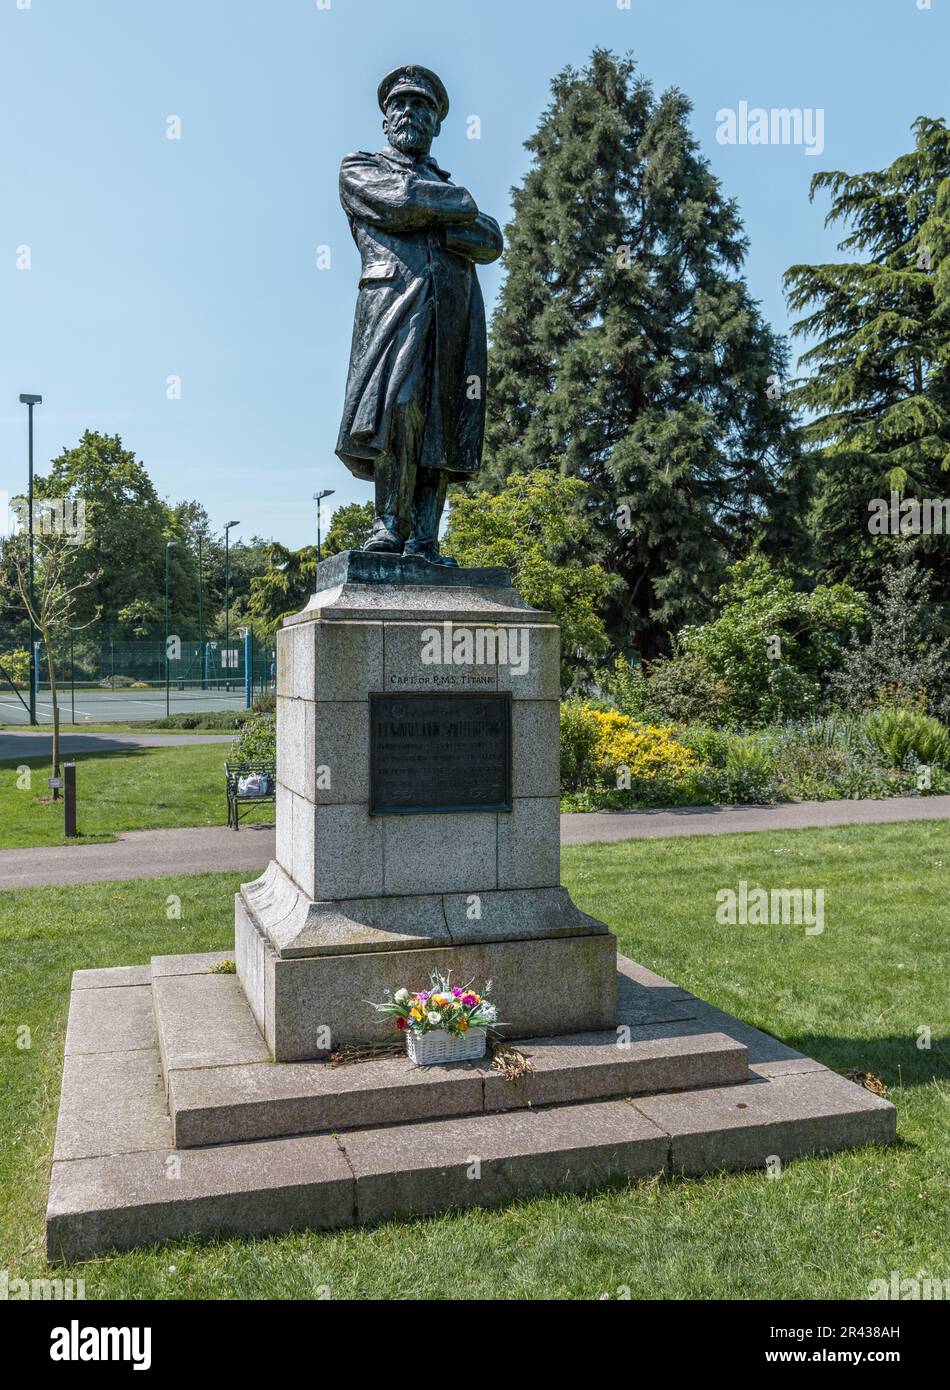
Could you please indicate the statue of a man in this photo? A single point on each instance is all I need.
(414, 413)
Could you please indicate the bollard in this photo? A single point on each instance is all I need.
(69, 809)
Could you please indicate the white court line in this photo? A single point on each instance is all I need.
(122, 710)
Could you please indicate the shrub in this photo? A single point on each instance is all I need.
(537, 525)
(646, 751)
(216, 719)
(710, 746)
(616, 760)
(257, 742)
(578, 739)
(751, 757)
(746, 774)
(810, 758)
(903, 735)
(16, 666)
(901, 652)
(772, 646)
(821, 759)
(677, 689)
(625, 687)
(265, 702)
(683, 689)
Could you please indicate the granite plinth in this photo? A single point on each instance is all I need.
(380, 567)
(119, 1180)
(222, 1088)
(303, 998)
(359, 899)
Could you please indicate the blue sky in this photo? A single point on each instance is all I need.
(196, 258)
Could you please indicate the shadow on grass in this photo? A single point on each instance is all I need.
(895, 1058)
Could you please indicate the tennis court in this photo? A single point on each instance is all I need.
(95, 706)
(112, 680)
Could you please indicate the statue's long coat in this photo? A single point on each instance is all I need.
(419, 334)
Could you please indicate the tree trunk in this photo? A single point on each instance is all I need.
(54, 700)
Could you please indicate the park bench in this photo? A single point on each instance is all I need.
(249, 783)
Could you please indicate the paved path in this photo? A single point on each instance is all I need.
(39, 745)
(589, 827)
(154, 853)
(141, 854)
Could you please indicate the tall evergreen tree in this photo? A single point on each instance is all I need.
(626, 351)
(284, 586)
(285, 582)
(879, 389)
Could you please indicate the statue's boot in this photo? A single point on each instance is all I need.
(428, 499)
(428, 550)
(384, 536)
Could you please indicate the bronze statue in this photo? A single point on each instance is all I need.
(414, 413)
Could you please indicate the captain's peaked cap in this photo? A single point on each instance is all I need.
(413, 78)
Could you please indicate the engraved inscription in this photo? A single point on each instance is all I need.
(440, 752)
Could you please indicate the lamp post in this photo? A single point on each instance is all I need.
(168, 547)
(318, 498)
(30, 401)
(227, 580)
(200, 598)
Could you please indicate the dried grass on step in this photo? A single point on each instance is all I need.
(352, 1052)
(867, 1079)
(510, 1061)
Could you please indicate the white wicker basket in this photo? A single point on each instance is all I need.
(425, 1049)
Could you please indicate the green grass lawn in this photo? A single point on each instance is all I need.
(852, 997)
(130, 789)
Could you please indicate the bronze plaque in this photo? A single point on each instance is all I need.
(439, 753)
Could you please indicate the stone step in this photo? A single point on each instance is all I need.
(116, 1183)
(222, 1088)
(218, 1105)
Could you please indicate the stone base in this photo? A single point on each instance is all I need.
(218, 1091)
(306, 967)
(379, 568)
(164, 1058)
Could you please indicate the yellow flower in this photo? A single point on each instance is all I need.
(645, 750)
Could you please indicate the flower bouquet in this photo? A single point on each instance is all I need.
(443, 1023)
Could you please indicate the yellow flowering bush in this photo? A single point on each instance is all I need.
(647, 751)
(604, 748)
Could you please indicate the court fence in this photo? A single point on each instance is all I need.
(119, 671)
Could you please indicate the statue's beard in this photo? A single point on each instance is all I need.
(408, 138)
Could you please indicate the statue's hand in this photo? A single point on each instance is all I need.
(480, 241)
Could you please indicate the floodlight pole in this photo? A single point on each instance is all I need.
(168, 547)
(30, 401)
(318, 498)
(227, 612)
(201, 619)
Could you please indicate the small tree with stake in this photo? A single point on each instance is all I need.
(51, 605)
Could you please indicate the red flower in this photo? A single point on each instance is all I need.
(401, 1023)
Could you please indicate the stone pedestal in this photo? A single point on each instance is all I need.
(360, 900)
(626, 1075)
